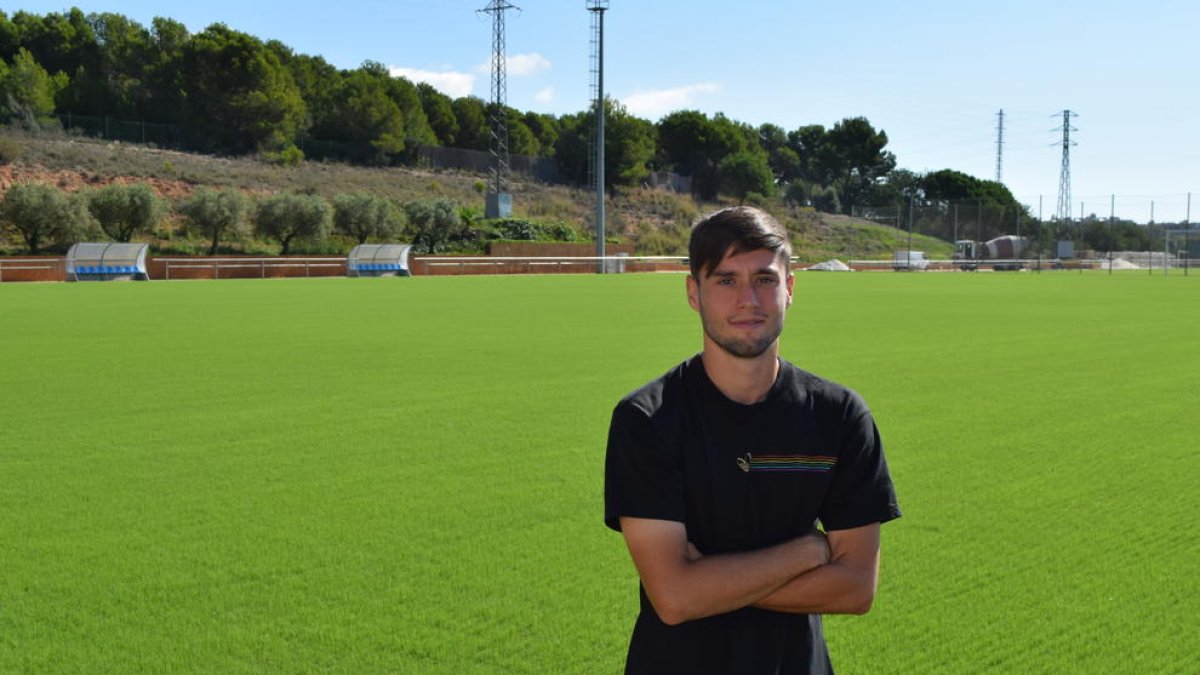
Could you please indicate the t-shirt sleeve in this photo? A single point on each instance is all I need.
(643, 477)
(861, 492)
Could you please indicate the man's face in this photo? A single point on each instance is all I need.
(742, 301)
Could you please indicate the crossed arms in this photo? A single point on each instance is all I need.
(813, 574)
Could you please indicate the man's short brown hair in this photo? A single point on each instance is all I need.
(734, 230)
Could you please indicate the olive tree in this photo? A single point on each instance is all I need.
(42, 213)
(363, 216)
(217, 214)
(286, 217)
(432, 224)
(125, 210)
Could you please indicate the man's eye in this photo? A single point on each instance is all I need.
(724, 281)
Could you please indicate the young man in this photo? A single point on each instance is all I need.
(718, 472)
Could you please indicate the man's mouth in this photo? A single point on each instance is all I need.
(752, 322)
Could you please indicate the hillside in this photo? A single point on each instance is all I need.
(655, 221)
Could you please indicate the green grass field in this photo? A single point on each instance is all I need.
(405, 475)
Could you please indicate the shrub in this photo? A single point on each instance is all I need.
(797, 193)
(826, 199)
(288, 156)
(10, 150)
(663, 241)
(516, 229)
(563, 232)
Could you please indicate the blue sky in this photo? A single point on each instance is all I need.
(930, 73)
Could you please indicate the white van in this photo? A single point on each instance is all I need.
(909, 260)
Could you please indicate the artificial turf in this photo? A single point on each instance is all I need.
(405, 475)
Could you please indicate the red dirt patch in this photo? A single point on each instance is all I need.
(75, 180)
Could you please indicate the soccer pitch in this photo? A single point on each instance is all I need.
(405, 475)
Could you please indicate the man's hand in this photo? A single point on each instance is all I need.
(683, 584)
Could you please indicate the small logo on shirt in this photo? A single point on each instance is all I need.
(807, 463)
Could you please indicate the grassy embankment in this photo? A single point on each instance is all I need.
(656, 221)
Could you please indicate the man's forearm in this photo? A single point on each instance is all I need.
(844, 586)
(723, 583)
(835, 588)
(684, 585)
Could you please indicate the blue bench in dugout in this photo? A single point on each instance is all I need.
(107, 269)
(378, 267)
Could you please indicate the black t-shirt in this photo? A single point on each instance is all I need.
(741, 478)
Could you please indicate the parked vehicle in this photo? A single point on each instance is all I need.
(909, 260)
(1002, 253)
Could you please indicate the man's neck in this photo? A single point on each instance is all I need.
(743, 380)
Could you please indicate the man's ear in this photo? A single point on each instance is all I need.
(791, 281)
(693, 292)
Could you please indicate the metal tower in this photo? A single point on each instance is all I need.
(1064, 178)
(597, 8)
(1000, 146)
(499, 202)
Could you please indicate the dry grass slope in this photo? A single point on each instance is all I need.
(655, 221)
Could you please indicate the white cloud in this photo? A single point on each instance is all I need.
(526, 64)
(518, 65)
(450, 83)
(545, 95)
(656, 103)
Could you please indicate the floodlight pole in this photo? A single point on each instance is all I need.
(598, 7)
(1041, 234)
(1166, 238)
(600, 115)
(1150, 239)
(1112, 214)
(910, 226)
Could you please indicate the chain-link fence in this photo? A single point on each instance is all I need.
(1091, 242)
(543, 169)
(159, 135)
(954, 221)
(175, 137)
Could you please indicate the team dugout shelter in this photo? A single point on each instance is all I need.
(107, 262)
(378, 260)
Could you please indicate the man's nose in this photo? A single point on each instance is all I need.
(747, 296)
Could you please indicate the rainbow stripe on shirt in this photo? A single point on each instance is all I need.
(808, 463)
